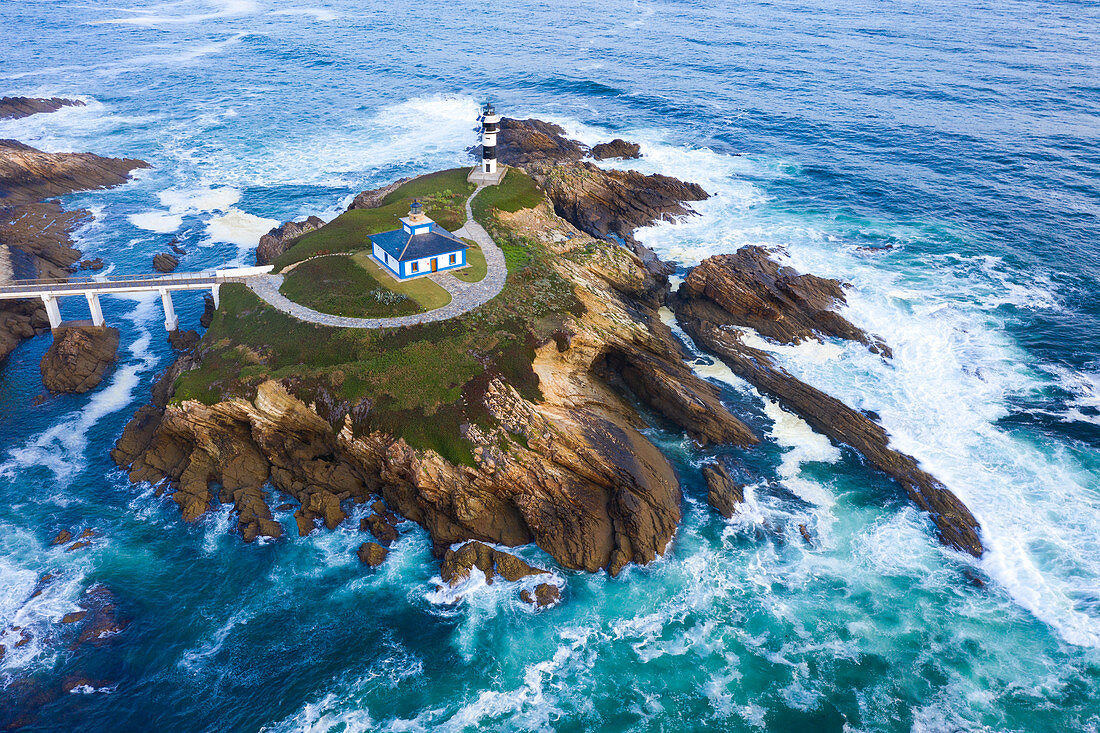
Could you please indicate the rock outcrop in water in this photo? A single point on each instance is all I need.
(279, 239)
(748, 290)
(78, 358)
(14, 108)
(35, 233)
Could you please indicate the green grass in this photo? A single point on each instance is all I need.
(421, 383)
(444, 197)
(476, 268)
(516, 191)
(423, 290)
(341, 286)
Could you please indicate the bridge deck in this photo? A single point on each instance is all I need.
(125, 283)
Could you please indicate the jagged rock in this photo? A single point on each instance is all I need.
(13, 108)
(84, 540)
(674, 391)
(73, 617)
(174, 245)
(379, 526)
(545, 595)
(94, 264)
(712, 327)
(776, 301)
(208, 311)
(28, 175)
(458, 563)
(164, 262)
(723, 493)
(617, 148)
(372, 554)
(279, 239)
(183, 340)
(62, 537)
(78, 358)
(372, 199)
(602, 203)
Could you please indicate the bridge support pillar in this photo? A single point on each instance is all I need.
(216, 291)
(93, 306)
(52, 310)
(171, 322)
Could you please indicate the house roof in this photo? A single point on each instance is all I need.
(404, 246)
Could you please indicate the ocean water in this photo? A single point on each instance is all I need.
(942, 157)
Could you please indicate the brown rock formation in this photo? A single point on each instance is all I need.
(775, 301)
(279, 239)
(372, 554)
(458, 564)
(14, 108)
(723, 493)
(78, 358)
(164, 262)
(602, 203)
(28, 175)
(372, 199)
(700, 309)
(544, 596)
(617, 148)
(183, 340)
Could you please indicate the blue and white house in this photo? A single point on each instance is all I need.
(418, 248)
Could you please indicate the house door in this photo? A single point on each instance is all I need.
(435, 263)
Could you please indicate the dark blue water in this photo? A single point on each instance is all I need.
(942, 157)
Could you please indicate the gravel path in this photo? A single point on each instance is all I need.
(464, 296)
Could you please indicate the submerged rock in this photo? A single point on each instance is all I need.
(279, 239)
(723, 493)
(78, 358)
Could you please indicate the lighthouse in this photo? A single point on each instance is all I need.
(488, 173)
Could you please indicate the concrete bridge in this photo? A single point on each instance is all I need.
(50, 291)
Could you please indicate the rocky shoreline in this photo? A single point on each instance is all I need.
(34, 229)
(569, 469)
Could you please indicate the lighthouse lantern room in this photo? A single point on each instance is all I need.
(488, 173)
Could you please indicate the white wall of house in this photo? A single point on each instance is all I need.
(443, 262)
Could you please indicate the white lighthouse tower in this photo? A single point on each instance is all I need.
(488, 173)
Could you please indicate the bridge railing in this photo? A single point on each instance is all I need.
(77, 283)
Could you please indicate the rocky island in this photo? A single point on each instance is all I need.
(516, 422)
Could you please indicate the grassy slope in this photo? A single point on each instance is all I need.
(444, 197)
(422, 382)
(423, 290)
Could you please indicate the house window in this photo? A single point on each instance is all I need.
(454, 259)
(415, 267)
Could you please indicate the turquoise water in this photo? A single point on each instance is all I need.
(942, 157)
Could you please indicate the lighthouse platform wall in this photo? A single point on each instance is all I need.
(479, 177)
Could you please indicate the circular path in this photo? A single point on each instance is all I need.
(464, 296)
